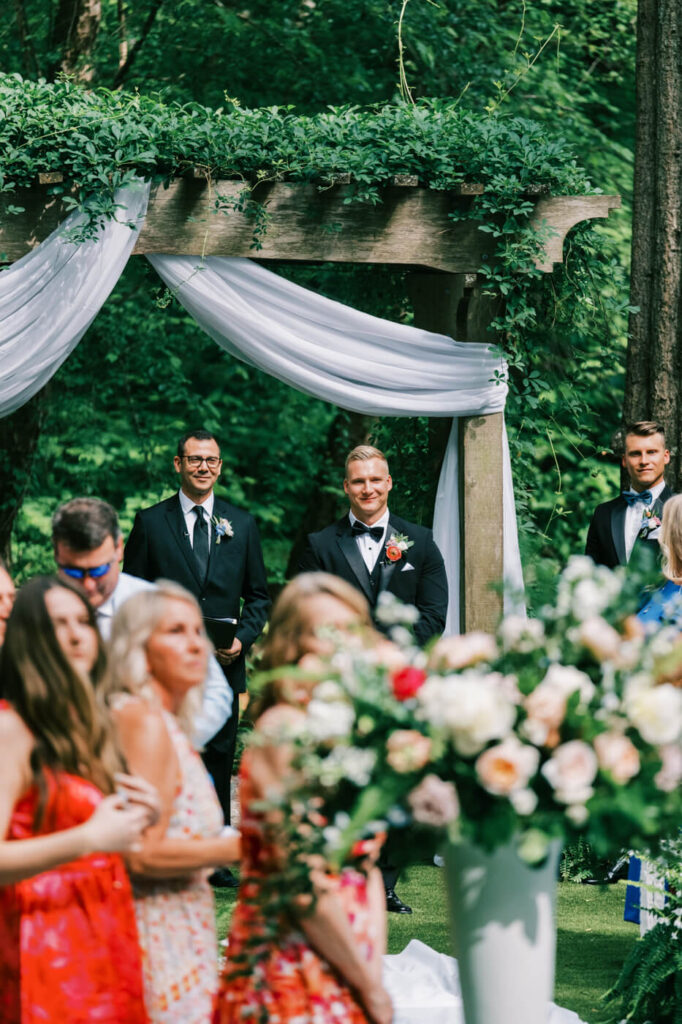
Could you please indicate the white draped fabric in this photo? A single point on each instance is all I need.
(357, 361)
(49, 298)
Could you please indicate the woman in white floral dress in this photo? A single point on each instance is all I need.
(158, 661)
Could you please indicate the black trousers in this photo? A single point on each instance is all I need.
(218, 756)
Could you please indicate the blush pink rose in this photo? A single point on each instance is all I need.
(570, 771)
(670, 775)
(455, 652)
(434, 802)
(507, 766)
(408, 750)
(617, 755)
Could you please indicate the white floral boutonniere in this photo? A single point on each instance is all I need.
(223, 528)
(651, 522)
(395, 545)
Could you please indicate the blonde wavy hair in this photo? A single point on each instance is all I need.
(671, 538)
(133, 625)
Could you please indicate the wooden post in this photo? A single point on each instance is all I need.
(454, 304)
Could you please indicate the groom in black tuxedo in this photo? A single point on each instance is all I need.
(634, 517)
(213, 550)
(377, 551)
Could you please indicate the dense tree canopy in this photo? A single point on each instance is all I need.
(143, 372)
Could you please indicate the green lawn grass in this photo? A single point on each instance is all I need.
(592, 942)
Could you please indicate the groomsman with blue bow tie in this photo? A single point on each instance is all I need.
(634, 517)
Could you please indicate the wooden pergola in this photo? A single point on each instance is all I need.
(411, 228)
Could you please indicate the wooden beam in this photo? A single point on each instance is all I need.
(412, 226)
(455, 304)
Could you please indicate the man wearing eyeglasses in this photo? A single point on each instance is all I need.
(88, 548)
(213, 549)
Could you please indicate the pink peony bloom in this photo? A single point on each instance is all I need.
(507, 766)
(434, 802)
(408, 750)
(617, 755)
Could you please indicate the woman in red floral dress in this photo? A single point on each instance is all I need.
(68, 941)
(322, 967)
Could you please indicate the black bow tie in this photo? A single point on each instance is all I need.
(632, 497)
(358, 528)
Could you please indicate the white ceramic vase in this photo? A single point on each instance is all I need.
(504, 935)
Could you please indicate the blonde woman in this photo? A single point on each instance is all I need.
(158, 655)
(324, 966)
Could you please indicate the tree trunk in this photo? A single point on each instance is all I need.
(654, 355)
(74, 33)
(19, 436)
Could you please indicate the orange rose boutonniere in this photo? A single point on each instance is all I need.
(395, 545)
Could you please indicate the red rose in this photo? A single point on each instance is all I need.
(407, 681)
(393, 553)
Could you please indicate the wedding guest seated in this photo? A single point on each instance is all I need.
(6, 599)
(68, 940)
(322, 965)
(158, 653)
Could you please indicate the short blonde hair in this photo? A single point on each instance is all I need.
(363, 453)
(133, 625)
(671, 538)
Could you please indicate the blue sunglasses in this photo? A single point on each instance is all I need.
(95, 573)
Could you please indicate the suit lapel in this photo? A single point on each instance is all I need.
(220, 511)
(178, 529)
(351, 552)
(618, 530)
(387, 567)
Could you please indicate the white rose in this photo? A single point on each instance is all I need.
(524, 801)
(328, 720)
(656, 712)
(568, 679)
(518, 633)
(328, 690)
(473, 708)
(577, 814)
(506, 767)
(570, 771)
(617, 755)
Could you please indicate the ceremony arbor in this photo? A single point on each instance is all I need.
(412, 228)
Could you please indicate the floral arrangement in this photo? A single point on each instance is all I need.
(396, 545)
(563, 725)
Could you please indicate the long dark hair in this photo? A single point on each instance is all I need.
(58, 706)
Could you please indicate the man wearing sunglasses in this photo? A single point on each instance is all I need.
(88, 548)
(213, 549)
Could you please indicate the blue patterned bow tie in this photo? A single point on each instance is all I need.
(632, 497)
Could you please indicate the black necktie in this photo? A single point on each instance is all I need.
(200, 545)
(632, 497)
(358, 528)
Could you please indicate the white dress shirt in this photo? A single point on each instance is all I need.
(634, 515)
(187, 506)
(369, 547)
(216, 705)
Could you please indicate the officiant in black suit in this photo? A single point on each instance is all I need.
(213, 549)
(634, 517)
(377, 551)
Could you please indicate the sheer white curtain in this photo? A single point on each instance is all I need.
(357, 361)
(49, 298)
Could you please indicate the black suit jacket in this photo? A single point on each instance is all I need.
(606, 534)
(424, 585)
(158, 548)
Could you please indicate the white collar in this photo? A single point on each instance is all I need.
(186, 504)
(383, 522)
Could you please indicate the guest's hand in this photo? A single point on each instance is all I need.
(378, 1005)
(136, 790)
(116, 826)
(226, 655)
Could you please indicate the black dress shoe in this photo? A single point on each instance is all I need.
(223, 879)
(394, 904)
(617, 872)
